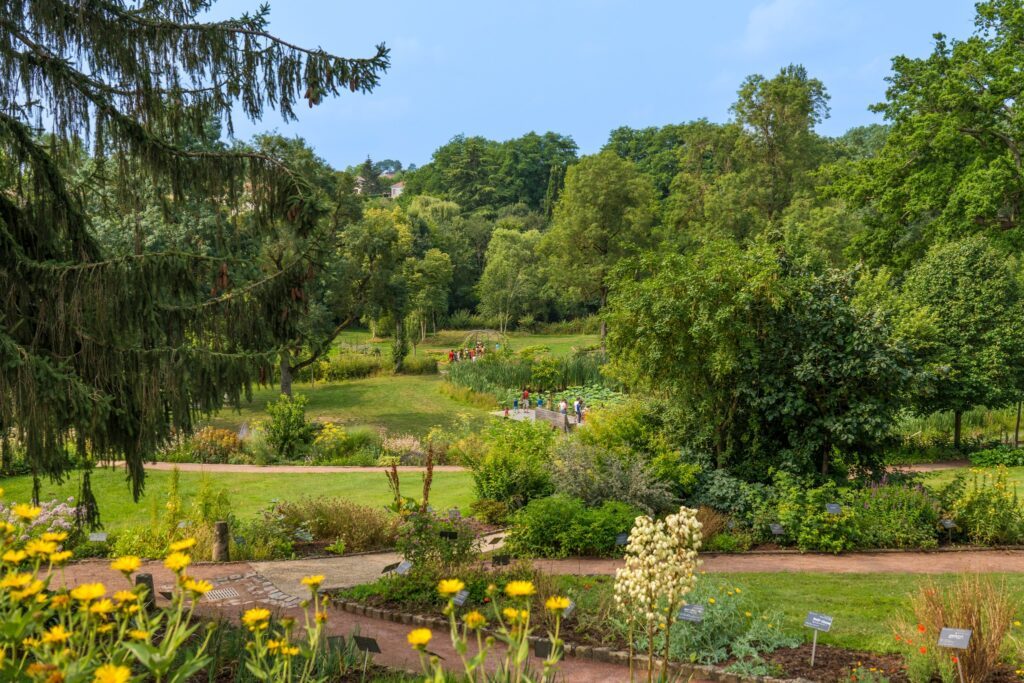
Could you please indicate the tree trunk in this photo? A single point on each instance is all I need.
(286, 373)
(957, 420)
(423, 330)
(824, 463)
(1016, 428)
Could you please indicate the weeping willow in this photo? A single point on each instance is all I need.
(115, 352)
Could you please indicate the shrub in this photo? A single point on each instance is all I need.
(212, 445)
(332, 442)
(489, 511)
(54, 516)
(420, 542)
(559, 526)
(405, 449)
(596, 475)
(261, 538)
(973, 602)
(287, 431)
(1002, 455)
(802, 513)
(329, 519)
(729, 542)
(894, 516)
(353, 366)
(513, 469)
(987, 509)
(719, 490)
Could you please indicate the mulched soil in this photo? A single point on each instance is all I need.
(835, 665)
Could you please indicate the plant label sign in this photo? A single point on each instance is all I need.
(567, 612)
(389, 568)
(691, 613)
(958, 638)
(98, 537)
(542, 649)
(500, 560)
(777, 529)
(834, 508)
(450, 535)
(947, 524)
(818, 621)
(366, 644)
(622, 539)
(460, 598)
(403, 568)
(496, 540)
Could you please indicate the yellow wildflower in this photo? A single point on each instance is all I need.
(199, 587)
(61, 557)
(33, 588)
(289, 651)
(126, 596)
(711, 601)
(449, 587)
(55, 536)
(59, 601)
(556, 603)
(138, 634)
(104, 606)
(36, 547)
(419, 638)
(321, 616)
(56, 634)
(14, 556)
(112, 673)
(26, 512)
(256, 619)
(313, 581)
(519, 589)
(178, 546)
(474, 620)
(176, 561)
(88, 592)
(126, 565)
(16, 580)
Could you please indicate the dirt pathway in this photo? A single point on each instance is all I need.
(280, 469)
(933, 466)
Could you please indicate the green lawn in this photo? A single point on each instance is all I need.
(402, 404)
(248, 492)
(935, 479)
(863, 606)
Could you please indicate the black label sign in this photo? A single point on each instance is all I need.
(366, 644)
(958, 638)
(818, 621)
(542, 649)
(500, 560)
(622, 539)
(450, 535)
(834, 508)
(693, 613)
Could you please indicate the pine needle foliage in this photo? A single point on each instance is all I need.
(115, 352)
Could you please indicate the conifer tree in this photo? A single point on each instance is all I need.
(116, 352)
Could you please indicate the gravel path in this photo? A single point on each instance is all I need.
(280, 469)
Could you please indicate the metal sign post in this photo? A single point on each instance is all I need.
(817, 622)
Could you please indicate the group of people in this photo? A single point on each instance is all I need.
(471, 353)
(524, 401)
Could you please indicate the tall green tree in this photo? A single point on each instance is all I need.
(953, 162)
(606, 213)
(431, 283)
(977, 352)
(508, 286)
(118, 352)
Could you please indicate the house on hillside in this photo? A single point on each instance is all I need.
(397, 189)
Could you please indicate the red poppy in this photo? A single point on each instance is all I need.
(920, 627)
(897, 638)
(955, 660)
(924, 650)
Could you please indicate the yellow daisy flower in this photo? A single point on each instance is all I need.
(449, 587)
(519, 589)
(419, 638)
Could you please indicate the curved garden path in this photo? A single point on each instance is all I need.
(279, 469)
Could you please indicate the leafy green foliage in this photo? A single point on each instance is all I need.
(288, 431)
(359, 528)
(560, 526)
(1004, 456)
(986, 508)
(514, 465)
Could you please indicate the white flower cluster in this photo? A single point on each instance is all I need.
(661, 561)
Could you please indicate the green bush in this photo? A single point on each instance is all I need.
(986, 508)
(728, 542)
(894, 516)
(1002, 455)
(489, 511)
(514, 467)
(802, 513)
(559, 526)
(420, 542)
(596, 475)
(719, 490)
(287, 431)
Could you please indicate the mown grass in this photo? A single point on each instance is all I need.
(863, 606)
(402, 404)
(1015, 476)
(248, 493)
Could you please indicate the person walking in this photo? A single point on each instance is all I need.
(563, 407)
(526, 397)
(577, 407)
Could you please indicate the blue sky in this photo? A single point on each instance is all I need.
(585, 67)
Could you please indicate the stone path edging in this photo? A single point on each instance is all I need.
(606, 655)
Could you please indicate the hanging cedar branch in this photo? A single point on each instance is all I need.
(114, 351)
